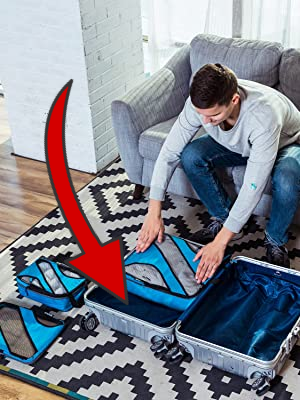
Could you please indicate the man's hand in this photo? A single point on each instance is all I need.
(153, 227)
(212, 255)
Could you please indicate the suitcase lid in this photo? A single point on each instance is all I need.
(289, 275)
(254, 308)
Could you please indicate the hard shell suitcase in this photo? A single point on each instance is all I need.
(245, 319)
(52, 284)
(153, 275)
(158, 293)
(26, 333)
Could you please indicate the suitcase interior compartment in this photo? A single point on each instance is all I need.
(140, 318)
(161, 287)
(138, 307)
(250, 309)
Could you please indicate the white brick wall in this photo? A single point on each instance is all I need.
(113, 67)
(97, 43)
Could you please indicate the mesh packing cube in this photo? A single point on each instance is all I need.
(52, 284)
(26, 334)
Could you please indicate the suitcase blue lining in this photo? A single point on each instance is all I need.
(244, 312)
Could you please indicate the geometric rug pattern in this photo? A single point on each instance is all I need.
(106, 364)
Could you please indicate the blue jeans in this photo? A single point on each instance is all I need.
(199, 160)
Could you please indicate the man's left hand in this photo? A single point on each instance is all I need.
(211, 257)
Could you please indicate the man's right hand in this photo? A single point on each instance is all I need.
(153, 227)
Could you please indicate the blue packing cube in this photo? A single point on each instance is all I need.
(26, 334)
(165, 273)
(52, 284)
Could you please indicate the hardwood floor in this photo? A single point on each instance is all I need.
(25, 190)
(25, 197)
(12, 389)
(4, 127)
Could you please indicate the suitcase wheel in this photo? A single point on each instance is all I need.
(261, 385)
(89, 321)
(175, 355)
(159, 346)
(155, 339)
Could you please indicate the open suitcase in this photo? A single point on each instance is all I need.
(244, 320)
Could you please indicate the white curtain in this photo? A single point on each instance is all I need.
(273, 20)
(174, 22)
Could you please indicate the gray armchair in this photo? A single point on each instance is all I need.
(143, 118)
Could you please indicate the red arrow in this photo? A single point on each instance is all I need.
(100, 263)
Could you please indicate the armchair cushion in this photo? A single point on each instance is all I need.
(158, 99)
(153, 138)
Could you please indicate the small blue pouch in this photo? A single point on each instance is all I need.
(52, 284)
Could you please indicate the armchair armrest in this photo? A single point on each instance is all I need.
(157, 99)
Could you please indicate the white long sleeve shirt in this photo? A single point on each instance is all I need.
(267, 121)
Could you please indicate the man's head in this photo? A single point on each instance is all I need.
(214, 93)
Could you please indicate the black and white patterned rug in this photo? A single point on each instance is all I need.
(106, 364)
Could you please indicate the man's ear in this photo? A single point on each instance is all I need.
(235, 98)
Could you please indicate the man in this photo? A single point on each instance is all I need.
(246, 123)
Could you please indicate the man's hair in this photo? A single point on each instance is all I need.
(213, 84)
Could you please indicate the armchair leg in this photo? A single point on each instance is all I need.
(138, 191)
